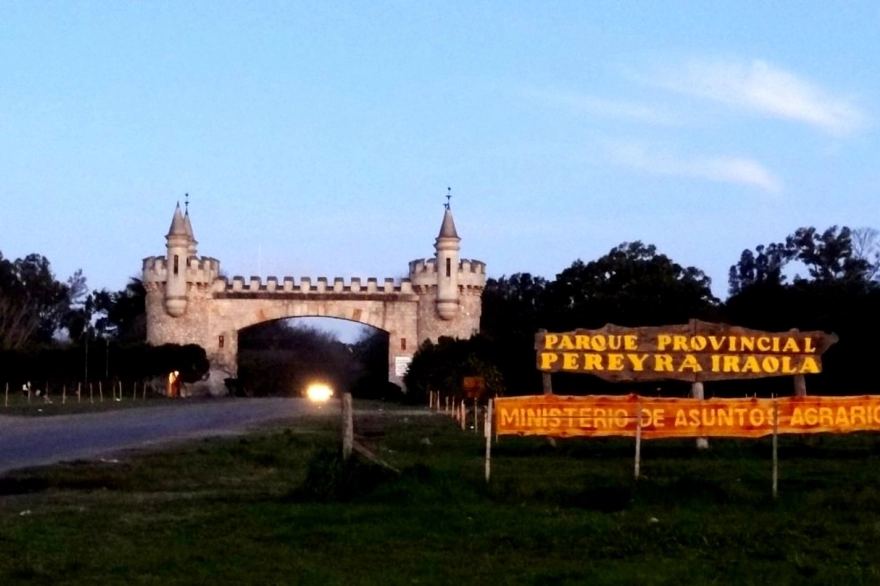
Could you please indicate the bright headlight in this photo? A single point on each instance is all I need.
(319, 392)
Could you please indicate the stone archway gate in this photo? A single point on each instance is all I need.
(188, 302)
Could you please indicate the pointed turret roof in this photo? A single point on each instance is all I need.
(447, 229)
(179, 224)
(188, 225)
(191, 247)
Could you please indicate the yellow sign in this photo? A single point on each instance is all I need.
(562, 416)
(696, 351)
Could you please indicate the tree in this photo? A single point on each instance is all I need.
(190, 360)
(838, 273)
(443, 366)
(763, 267)
(835, 294)
(370, 352)
(123, 312)
(77, 319)
(513, 306)
(113, 315)
(829, 256)
(632, 285)
(866, 246)
(833, 256)
(33, 303)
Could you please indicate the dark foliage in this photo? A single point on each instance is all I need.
(123, 313)
(631, 285)
(33, 304)
(371, 354)
(330, 478)
(514, 308)
(837, 294)
(838, 256)
(105, 360)
(443, 366)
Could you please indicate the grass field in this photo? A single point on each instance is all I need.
(279, 508)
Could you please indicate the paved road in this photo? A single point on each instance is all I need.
(34, 441)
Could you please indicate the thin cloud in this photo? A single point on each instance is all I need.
(764, 88)
(605, 108)
(737, 170)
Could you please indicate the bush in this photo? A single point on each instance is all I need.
(330, 478)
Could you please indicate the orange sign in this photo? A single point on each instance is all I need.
(560, 416)
(695, 351)
(474, 386)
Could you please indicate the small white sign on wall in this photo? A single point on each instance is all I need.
(401, 365)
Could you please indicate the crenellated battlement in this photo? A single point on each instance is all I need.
(199, 270)
(471, 273)
(305, 285)
(429, 265)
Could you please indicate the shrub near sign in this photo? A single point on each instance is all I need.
(694, 352)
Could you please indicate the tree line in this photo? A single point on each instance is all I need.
(811, 280)
(57, 331)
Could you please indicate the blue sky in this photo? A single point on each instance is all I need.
(318, 138)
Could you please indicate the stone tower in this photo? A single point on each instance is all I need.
(449, 289)
(188, 302)
(446, 247)
(180, 246)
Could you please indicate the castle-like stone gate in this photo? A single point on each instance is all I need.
(188, 302)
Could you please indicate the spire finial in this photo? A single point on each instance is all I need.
(448, 197)
(186, 203)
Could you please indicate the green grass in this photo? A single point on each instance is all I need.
(235, 511)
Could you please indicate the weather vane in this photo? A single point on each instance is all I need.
(448, 197)
(186, 202)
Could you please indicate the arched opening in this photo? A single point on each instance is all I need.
(283, 357)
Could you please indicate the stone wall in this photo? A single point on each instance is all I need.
(464, 325)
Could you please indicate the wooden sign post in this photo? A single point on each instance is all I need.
(697, 393)
(347, 426)
(800, 386)
(775, 446)
(488, 430)
(638, 440)
(474, 388)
